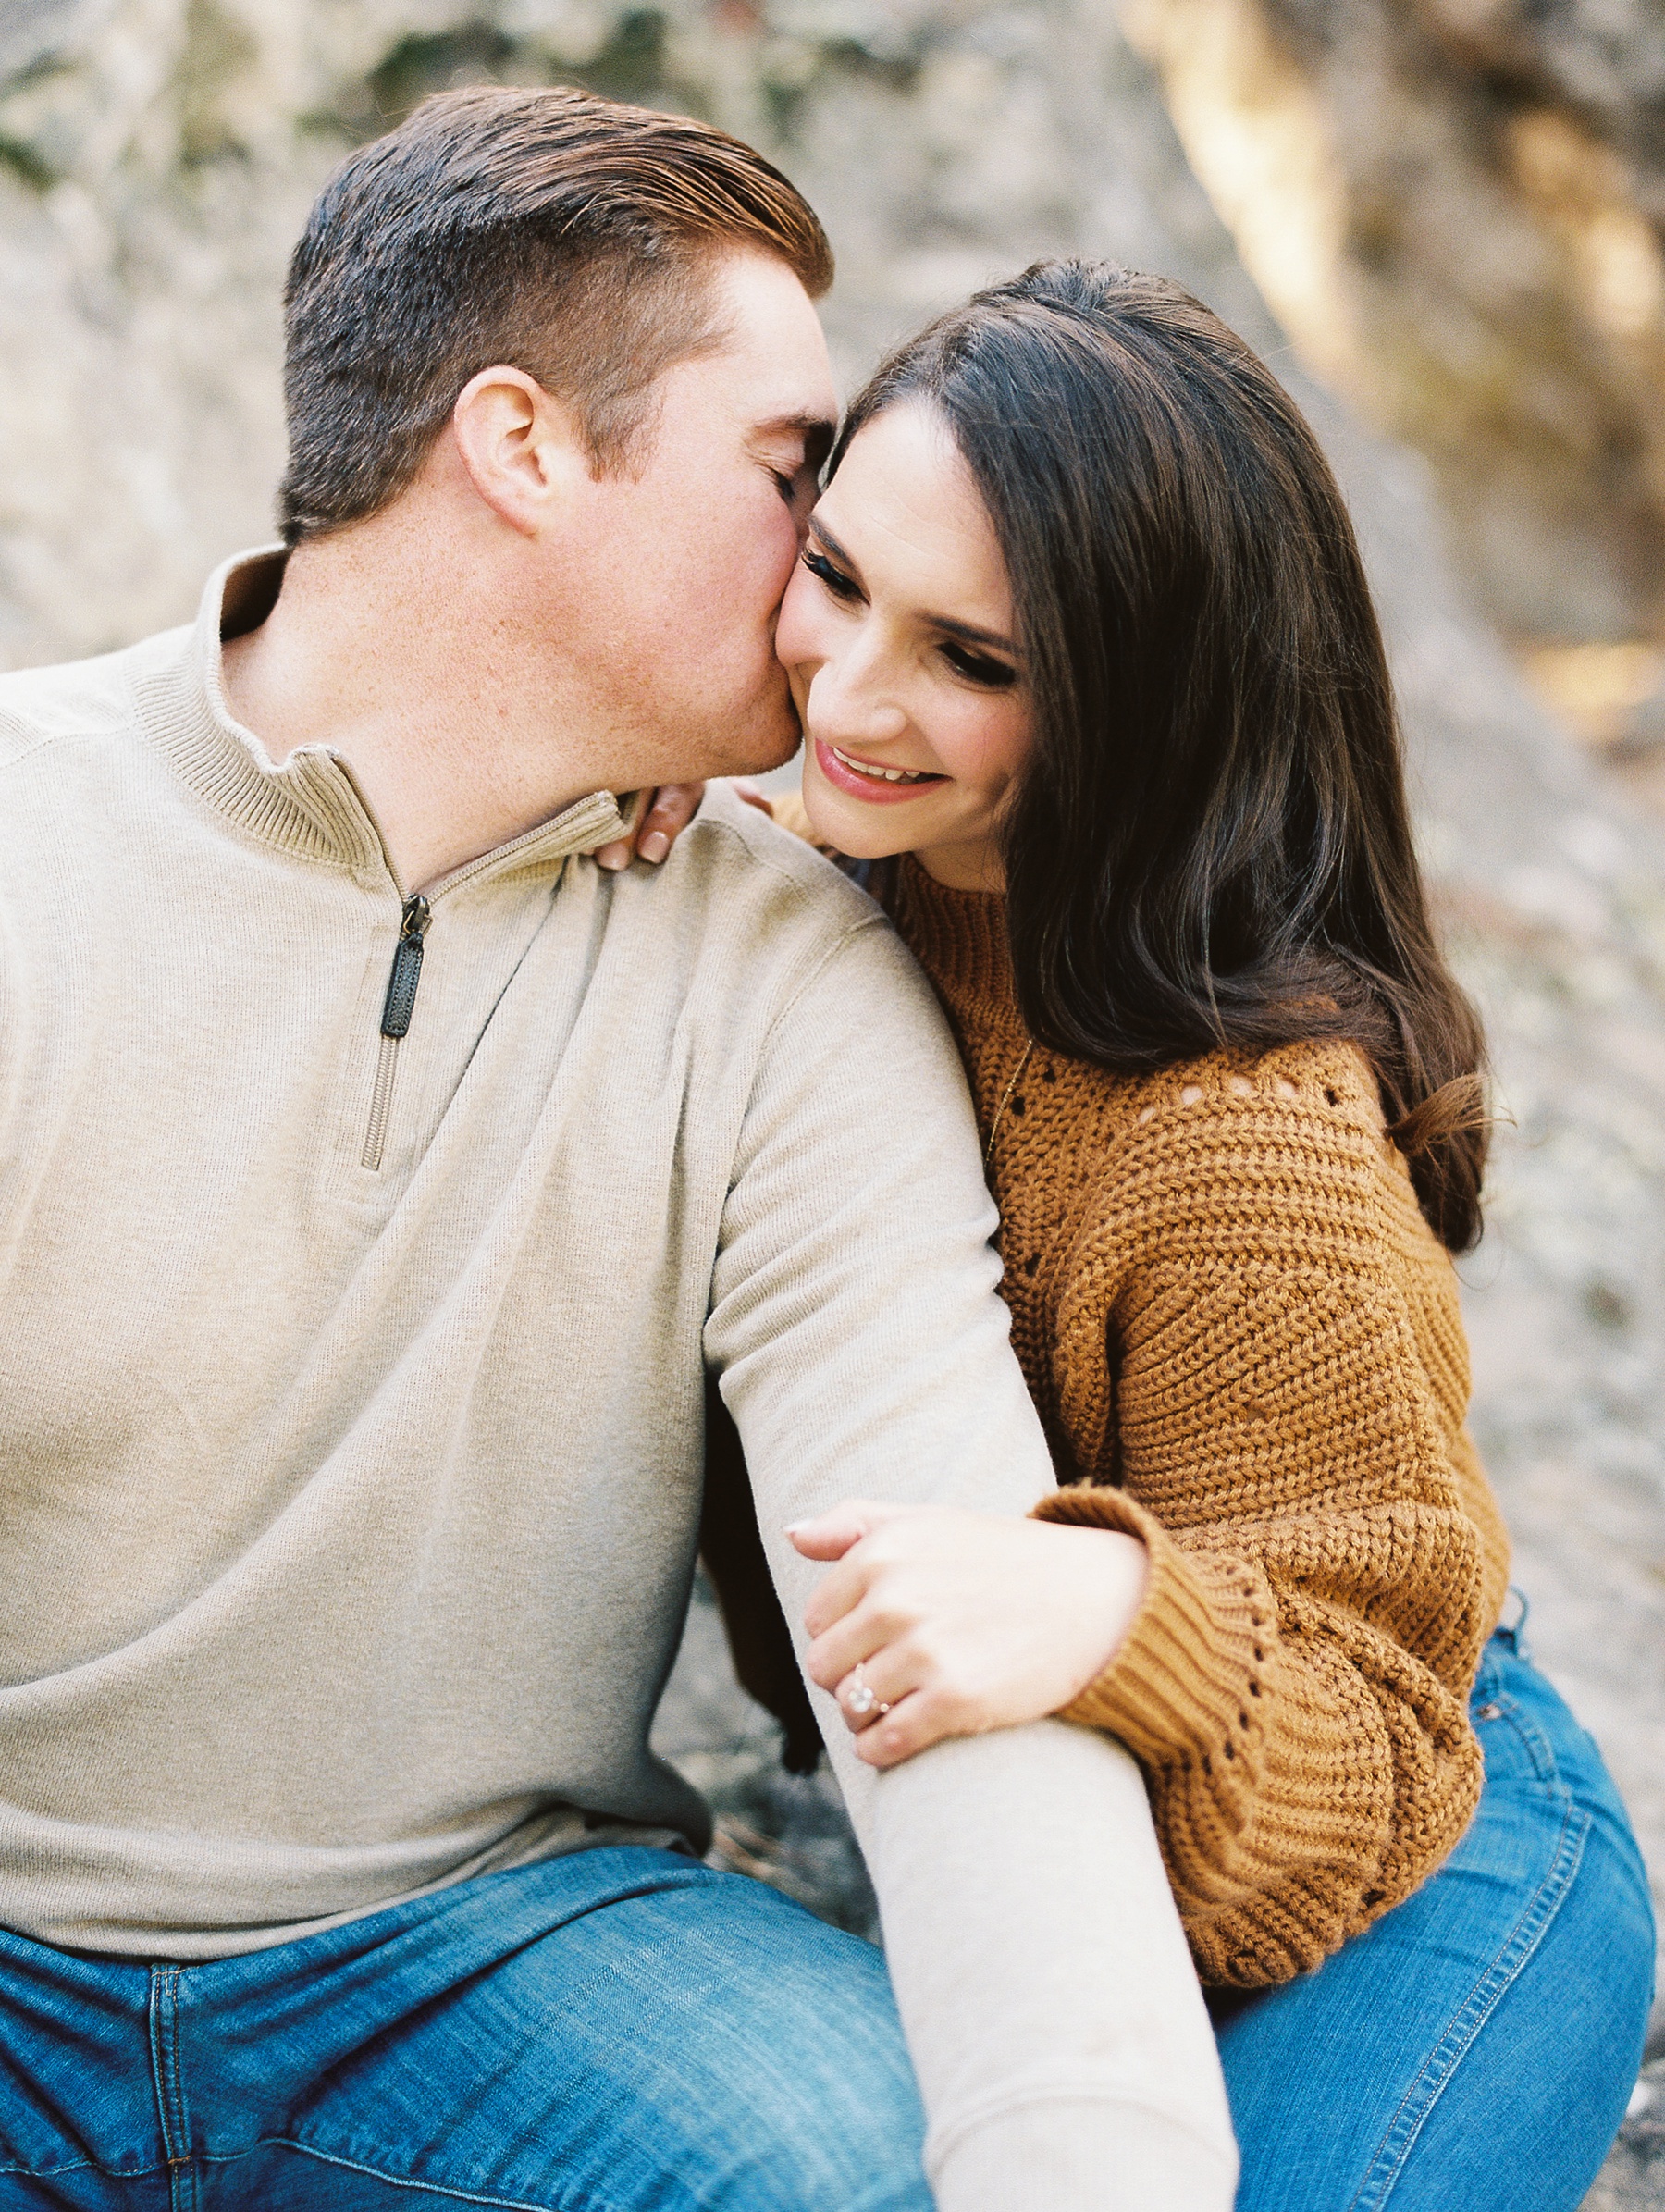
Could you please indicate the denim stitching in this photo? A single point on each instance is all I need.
(191, 2187)
(461, 2197)
(169, 2083)
(105, 2173)
(158, 2063)
(1539, 1749)
(1522, 1940)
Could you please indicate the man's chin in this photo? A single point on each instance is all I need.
(746, 744)
(770, 748)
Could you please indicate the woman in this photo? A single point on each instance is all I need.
(1094, 696)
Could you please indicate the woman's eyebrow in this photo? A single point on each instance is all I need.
(971, 635)
(839, 552)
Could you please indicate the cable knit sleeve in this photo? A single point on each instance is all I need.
(1236, 1350)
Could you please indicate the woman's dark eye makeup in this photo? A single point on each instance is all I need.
(837, 582)
(977, 668)
(972, 666)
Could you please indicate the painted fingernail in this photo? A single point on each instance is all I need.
(655, 845)
(612, 858)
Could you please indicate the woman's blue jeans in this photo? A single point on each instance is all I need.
(625, 2030)
(1473, 2050)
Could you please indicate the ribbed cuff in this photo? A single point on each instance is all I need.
(1193, 1666)
(1075, 2153)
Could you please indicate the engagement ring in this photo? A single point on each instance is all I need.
(863, 1698)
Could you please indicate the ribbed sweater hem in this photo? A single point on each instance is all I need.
(1186, 1674)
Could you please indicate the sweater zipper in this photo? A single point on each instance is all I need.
(403, 980)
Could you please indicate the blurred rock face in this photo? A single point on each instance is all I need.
(138, 308)
(1456, 207)
(157, 158)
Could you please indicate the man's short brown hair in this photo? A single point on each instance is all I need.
(551, 230)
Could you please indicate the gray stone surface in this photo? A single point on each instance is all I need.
(1634, 2175)
(1459, 209)
(155, 158)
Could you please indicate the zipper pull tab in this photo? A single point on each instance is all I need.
(407, 968)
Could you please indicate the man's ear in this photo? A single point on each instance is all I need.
(521, 447)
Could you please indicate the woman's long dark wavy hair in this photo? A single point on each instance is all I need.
(1210, 844)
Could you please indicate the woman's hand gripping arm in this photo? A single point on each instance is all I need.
(937, 1620)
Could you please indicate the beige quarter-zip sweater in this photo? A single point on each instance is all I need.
(351, 1388)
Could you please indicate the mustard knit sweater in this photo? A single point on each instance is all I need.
(1246, 1345)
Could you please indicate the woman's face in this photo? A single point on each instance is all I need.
(897, 634)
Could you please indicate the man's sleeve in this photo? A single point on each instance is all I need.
(1054, 2020)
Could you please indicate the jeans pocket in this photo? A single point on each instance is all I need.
(1515, 1748)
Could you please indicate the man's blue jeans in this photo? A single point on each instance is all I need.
(1473, 2050)
(624, 2031)
(613, 2032)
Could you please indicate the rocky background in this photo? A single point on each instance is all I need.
(1441, 218)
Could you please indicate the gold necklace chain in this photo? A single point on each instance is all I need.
(1005, 1100)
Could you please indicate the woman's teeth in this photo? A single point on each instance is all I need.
(884, 775)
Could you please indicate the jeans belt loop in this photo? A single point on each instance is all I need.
(1514, 1634)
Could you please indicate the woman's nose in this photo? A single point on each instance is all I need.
(842, 704)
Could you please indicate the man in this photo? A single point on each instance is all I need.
(381, 1179)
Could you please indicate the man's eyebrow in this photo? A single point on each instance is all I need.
(969, 632)
(816, 430)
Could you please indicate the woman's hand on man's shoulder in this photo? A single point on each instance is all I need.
(667, 814)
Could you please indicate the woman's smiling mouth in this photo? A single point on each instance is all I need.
(868, 779)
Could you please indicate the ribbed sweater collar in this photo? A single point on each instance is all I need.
(959, 938)
(309, 806)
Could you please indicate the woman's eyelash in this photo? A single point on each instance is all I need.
(836, 582)
(995, 675)
(975, 668)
